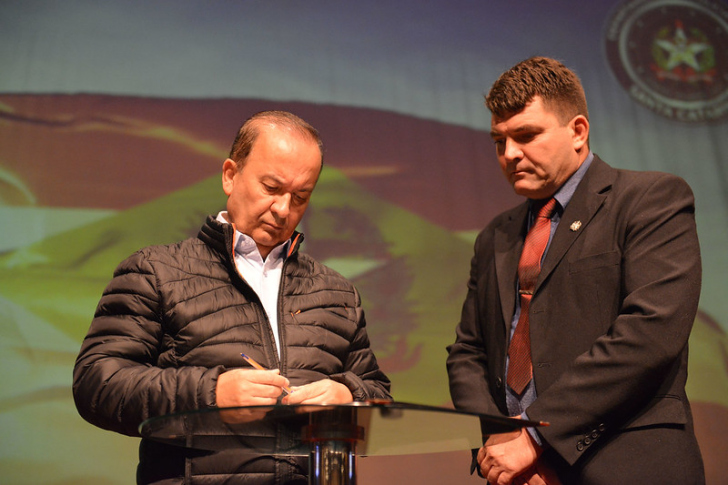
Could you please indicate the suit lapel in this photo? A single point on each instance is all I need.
(508, 245)
(586, 201)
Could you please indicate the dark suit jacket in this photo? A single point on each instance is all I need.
(610, 320)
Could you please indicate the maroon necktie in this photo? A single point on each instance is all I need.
(520, 369)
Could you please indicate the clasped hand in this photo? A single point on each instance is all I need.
(513, 458)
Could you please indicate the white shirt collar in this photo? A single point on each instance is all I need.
(245, 245)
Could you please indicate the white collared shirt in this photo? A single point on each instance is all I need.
(263, 276)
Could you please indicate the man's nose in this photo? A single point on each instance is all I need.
(281, 206)
(512, 150)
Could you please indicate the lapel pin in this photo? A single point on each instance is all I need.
(575, 226)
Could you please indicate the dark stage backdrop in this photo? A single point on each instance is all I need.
(115, 118)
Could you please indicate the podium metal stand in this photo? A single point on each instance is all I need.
(330, 435)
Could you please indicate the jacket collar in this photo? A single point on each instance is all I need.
(221, 237)
(586, 202)
(509, 236)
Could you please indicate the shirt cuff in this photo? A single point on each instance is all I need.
(532, 431)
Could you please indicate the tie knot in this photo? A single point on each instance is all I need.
(547, 209)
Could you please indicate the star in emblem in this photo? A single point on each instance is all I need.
(681, 50)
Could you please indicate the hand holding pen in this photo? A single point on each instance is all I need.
(249, 387)
(324, 391)
(252, 362)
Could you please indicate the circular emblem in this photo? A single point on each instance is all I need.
(672, 56)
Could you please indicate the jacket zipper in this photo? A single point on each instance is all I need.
(261, 308)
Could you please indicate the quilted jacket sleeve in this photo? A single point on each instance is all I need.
(362, 375)
(117, 383)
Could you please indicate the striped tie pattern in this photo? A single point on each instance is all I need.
(520, 368)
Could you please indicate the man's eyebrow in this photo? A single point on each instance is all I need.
(518, 129)
(527, 128)
(271, 177)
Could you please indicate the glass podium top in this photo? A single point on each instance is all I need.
(376, 428)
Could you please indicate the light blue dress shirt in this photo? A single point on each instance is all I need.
(517, 405)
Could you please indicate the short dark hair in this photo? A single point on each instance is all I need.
(248, 133)
(558, 86)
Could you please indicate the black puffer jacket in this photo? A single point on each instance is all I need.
(175, 317)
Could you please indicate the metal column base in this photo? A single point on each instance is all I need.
(333, 453)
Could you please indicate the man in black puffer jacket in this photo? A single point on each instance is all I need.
(171, 325)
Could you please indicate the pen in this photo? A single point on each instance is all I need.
(252, 362)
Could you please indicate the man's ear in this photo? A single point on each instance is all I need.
(580, 130)
(229, 170)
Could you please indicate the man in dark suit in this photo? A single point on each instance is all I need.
(608, 313)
